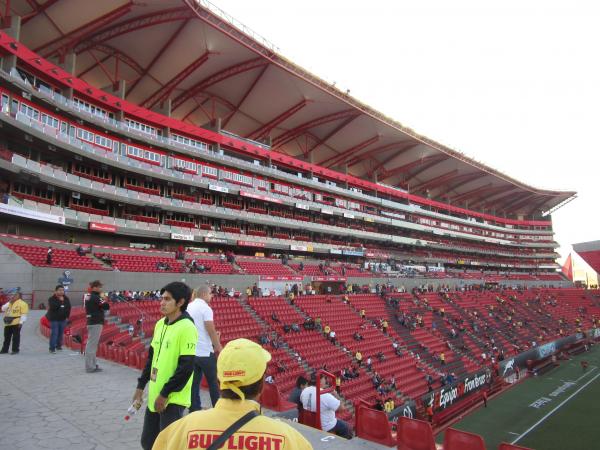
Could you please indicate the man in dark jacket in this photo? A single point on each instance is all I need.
(94, 311)
(170, 364)
(59, 310)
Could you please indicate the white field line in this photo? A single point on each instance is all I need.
(553, 411)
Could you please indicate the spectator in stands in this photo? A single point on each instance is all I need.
(357, 336)
(209, 344)
(443, 359)
(15, 314)
(294, 397)
(270, 379)
(263, 339)
(59, 310)
(49, 254)
(369, 363)
(241, 367)
(318, 324)
(295, 327)
(384, 326)
(95, 307)
(330, 403)
(309, 324)
(362, 313)
(358, 357)
(332, 336)
(169, 368)
(380, 356)
(80, 251)
(287, 329)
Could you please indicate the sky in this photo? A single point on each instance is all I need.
(514, 84)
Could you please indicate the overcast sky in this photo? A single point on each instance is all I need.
(514, 84)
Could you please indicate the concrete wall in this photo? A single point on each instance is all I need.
(15, 271)
(46, 279)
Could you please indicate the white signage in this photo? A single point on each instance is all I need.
(301, 206)
(182, 237)
(31, 214)
(214, 187)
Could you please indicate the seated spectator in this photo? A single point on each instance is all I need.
(295, 328)
(330, 403)
(357, 336)
(287, 328)
(332, 336)
(281, 367)
(270, 379)
(380, 356)
(80, 250)
(263, 339)
(274, 317)
(294, 397)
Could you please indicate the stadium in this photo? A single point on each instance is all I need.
(128, 157)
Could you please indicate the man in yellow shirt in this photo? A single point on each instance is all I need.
(15, 314)
(240, 368)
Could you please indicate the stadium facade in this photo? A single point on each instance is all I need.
(118, 131)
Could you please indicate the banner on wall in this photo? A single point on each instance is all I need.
(329, 278)
(279, 278)
(250, 244)
(446, 396)
(104, 227)
(31, 214)
(509, 366)
(182, 237)
(214, 240)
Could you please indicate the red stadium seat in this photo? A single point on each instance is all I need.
(271, 398)
(374, 426)
(505, 446)
(415, 434)
(462, 440)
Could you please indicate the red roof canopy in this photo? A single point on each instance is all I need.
(210, 68)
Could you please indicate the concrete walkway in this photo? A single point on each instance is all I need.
(48, 401)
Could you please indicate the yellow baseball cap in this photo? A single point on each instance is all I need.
(241, 363)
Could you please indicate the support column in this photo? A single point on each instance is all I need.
(13, 29)
(164, 108)
(70, 65)
(118, 90)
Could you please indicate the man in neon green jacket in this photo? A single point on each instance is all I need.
(170, 364)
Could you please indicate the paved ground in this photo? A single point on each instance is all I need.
(49, 402)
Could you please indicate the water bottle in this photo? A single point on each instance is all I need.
(132, 410)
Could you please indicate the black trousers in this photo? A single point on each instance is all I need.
(154, 423)
(13, 333)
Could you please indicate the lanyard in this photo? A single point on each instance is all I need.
(162, 336)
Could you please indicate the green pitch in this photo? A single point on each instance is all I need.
(556, 411)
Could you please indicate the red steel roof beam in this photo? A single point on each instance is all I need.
(289, 135)
(166, 90)
(474, 192)
(486, 202)
(464, 179)
(215, 78)
(329, 135)
(39, 9)
(267, 127)
(341, 157)
(371, 153)
(246, 94)
(67, 42)
(516, 204)
(157, 56)
(134, 24)
(438, 159)
(384, 174)
(435, 182)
